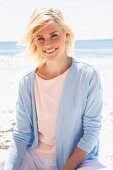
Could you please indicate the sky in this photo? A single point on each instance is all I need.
(89, 19)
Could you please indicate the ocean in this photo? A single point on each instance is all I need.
(10, 48)
(83, 48)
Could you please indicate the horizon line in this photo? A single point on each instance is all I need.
(75, 40)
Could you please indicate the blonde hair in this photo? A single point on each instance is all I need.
(39, 20)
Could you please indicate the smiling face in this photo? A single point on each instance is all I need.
(50, 42)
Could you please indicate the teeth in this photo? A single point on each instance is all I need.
(49, 51)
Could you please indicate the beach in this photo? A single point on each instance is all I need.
(11, 71)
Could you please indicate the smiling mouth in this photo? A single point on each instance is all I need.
(50, 51)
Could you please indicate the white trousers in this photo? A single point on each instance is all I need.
(91, 165)
(33, 161)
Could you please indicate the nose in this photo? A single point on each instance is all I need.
(48, 43)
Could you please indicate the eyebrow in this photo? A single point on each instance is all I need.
(49, 34)
(53, 32)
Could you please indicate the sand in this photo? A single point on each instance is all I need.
(11, 71)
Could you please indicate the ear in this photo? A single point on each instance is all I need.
(67, 36)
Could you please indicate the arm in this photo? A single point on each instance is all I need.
(75, 159)
(91, 123)
(21, 133)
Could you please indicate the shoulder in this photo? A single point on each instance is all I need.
(82, 66)
(27, 79)
(87, 73)
(85, 68)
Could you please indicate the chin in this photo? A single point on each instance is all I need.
(52, 57)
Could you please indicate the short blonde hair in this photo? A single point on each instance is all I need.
(41, 19)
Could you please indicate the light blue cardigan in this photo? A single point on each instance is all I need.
(79, 116)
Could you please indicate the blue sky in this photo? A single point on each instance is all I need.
(90, 19)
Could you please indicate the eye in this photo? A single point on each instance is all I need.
(54, 36)
(39, 39)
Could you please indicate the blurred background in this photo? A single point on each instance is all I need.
(92, 23)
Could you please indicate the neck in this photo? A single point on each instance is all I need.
(58, 67)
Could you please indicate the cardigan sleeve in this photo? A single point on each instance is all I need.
(23, 108)
(92, 115)
(21, 134)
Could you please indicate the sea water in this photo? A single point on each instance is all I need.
(82, 48)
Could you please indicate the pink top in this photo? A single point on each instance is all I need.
(47, 96)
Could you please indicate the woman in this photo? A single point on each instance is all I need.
(58, 117)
